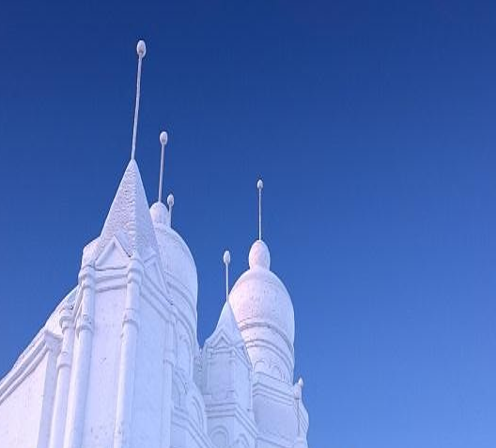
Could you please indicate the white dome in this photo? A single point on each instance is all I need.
(177, 260)
(259, 295)
(263, 310)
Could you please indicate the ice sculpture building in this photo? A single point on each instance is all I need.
(118, 363)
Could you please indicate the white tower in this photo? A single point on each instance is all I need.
(188, 410)
(180, 273)
(264, 312)
(226, 382)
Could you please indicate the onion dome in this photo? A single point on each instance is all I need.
(177, 261)
(263, 310)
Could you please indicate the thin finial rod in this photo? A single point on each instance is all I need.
(163, 141)
(170, 203)
(227, 259)
(141, 50)
(260, 187)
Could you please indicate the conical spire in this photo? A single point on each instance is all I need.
(129, 217)
(227, 324)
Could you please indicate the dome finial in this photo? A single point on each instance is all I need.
(259, 256)
(260, 187)
(227, 259)
(170, 203)
(163, 141)
(141, 50)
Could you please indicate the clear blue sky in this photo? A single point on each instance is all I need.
(373, 125)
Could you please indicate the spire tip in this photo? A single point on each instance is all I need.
(227, 257)
(163, 141)
(164, 138)
(141, 48)
(260, 187)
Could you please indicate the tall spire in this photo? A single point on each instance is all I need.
(227, 259)
(227, 322)
(163, 142)
(259, 255)
(141, 50)
(260, 187)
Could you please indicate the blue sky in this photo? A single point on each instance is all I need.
(373, 127)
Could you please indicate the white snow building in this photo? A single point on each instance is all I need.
(118, 363)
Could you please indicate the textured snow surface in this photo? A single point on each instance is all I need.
(129, 216)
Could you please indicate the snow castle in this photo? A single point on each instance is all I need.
(118, 363)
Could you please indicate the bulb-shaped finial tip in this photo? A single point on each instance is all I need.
(227, 257)
(170, 200)
(298, 389)
(164, 138)
(260, 184)
(141, 48)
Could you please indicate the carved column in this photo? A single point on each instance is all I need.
(129, 339)
(64, 363)
(250, 406)
(84, 333)
(169, 364)
(231, 391)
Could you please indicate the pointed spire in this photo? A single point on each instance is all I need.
(141, 50)
(227, 259)
(260, 187)
(227, 322)
(129, 219)
(163, 141)
(170, 203)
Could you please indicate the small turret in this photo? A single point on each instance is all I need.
(264, 313)
(226, 378)
(180, 273)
